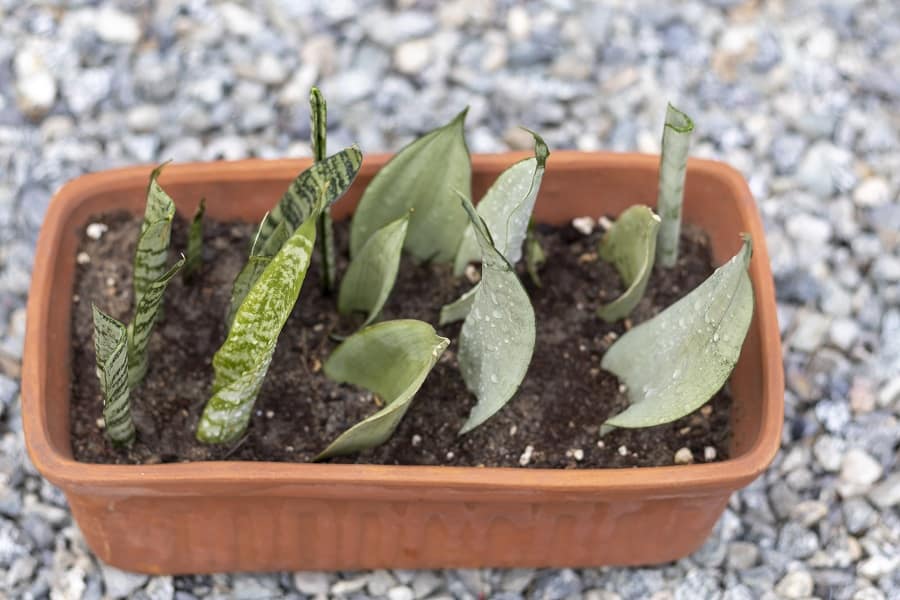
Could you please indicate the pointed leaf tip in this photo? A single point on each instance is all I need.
(693, 346)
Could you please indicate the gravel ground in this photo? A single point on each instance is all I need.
(803, 97)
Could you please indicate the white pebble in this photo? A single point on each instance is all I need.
(526, 456)
(110, 282)
(82, 258)
(578, 454)
(623, 450)
(473, 274)
(450, 456)
(416, 439)
(684, 456)
(95, 231)
(584, 225)
(709, 453)
(513, 430)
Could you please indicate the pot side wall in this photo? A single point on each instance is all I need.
(266, 516)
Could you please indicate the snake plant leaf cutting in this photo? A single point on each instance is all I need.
(194, 253)
(507, 208)
(672, 169)
(156, 232)
(145, 315)
(240, 365)
(675, 362)
(422, 176)
(391, 359)
(335, 174)
(459, 308)
(497, 338)
(630, 245)
(255, 265)
(371, 274)
(110, 345)
(318, 126)
(534, 255)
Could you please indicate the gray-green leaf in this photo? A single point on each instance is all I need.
(145, 315)
(497, 337)
(459, 308)
(194, 254)
(391, 359)
(422, 176)
(630, 245)
(675, 362)
(371, 274)
(156, 230)
(241, 363)
(672, 169)
(506, 208)
(110, 345)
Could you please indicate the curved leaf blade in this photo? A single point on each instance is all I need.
(391, 359)
(676, 141)
(497, 337)
(145, 315)
(459, 308)
(242, 362)
(507, 208)
(372, 273)
(675, 362)
(110, 346)
(630, 245)
(318, 127)
(422, 176)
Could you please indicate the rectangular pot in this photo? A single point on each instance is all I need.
(244, 516)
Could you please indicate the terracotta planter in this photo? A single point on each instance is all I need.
(226, 516)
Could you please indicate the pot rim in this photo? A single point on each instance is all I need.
(64, 471)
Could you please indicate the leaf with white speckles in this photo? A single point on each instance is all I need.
(391, 359)
(242, 362)
(675, 362)
(497, 337)
(630, 245)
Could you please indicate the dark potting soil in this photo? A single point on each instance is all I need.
(553, 420)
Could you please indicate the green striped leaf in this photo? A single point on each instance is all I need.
(630, 245)
(156, 231)
(422, 177)
(194, 254)
(497, 337)
(372, 273)
(676, 141)
(318, 127)
(145, 316)
(673, 364)
(110, 346)
(241, 363)
(334, 174)
(506, 209)
(391, 359)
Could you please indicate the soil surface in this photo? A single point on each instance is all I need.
(553, 420)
